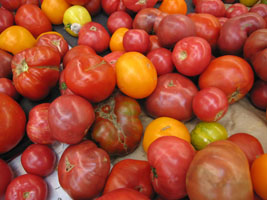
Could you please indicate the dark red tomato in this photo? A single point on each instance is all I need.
(172, 97)
(154, 42)
(249, 144)
(94, 35)
(77, 2)
(137, 5)
(35, 71)
(27, 186)
(117, 128)
(90, 76)
(162, 60)
(236, 10)
(210, 104)
(12, 123)
(123, 194)
(33, 18)
(213, 7)
(129, 173)
(93, 7)
(64, 90)
(191, 55)
(69, 118)
(258, 94)
(38, 159)
(181, 27)
(261, 9)
(112, 57)
(119, 19)
(231, 74)
(83, 170)
(222, 20)
(38, 129)
(77, 51)
(10, 4)
(6, 19)
(168, 173)
(55, 41)
(7, 87)
(110, 6)
(35, 2)
(158, 20)
(6, 175)
(259, 64)
(5, 64)
(136, 40)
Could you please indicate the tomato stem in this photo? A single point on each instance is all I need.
(93, 28)
(182, 55)
(95, 66)
(142, 2)
(155, 175)
(69, 166)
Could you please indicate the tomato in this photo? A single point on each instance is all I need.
(249, 144)
(173, 7)
(6, 19)
(117, 128)
(110, 6)
(12, 123)
(168, 173)
(27, 186)
(164, 126)
(83, 169)
(74, 18)
(10, 4)
(123, 194)
(137, 5)
(236, 10)
(258, 94)
(63, 88)
(90, 76)
(94, 35)
(7, 87)
(261, 9)
(259, 175)
(222, 20)
(136, 40)
(5, 64)
(35, 2)
(54, 10)
(77, 2)
(112, 58)
(172, 97)
(7, 175)
(129, 173)
(119, 19)
(210, 104)
(15, 39)
(35, 71)
(213, 7)
(157, 21)
(154, 42)
(93, 7)
(136, 75)
(116, 40)
(231, 74)
(218, 172)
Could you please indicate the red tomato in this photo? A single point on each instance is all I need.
(38, 129)
(90, 76)
(83, 169)
(258, 94)
(136, 40)
(93, 7)
(137, 5)
(128, 173)
(231, 74)
(35, 71)
(123, 194)
(261, 9)
(35, 2)
(77, 2)
(158, 20)
(168, 173)
(236, 10)
(12, 123)
(38, 159)
(154, 42)
(6, 19)
(94, 35)
(119, 19)
(210, 104)
(7, 87)
(6, 175)
(62, 84)
(10, 4)
(112, 57)
(222, 20)
(249, 144)
(110, 6)
(27, 186)
(69, 118)
(5, 64)
(213, 7)
(191, 55)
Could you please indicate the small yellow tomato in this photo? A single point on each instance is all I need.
(74, 18)
(116, 40)
(15, 39)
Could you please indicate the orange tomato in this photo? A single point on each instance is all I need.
(116, 40)
(15, 39)
(54, 10)
(259, 176)
(173, 7)
(164, 126)
(50, 32)
(136, 75)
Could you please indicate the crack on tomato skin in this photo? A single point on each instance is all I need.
(26, 195)
(234, 96)
(182, 55)
(95, 66)
(68, 165)
(218, 115)
(165, 128)
(93, 28)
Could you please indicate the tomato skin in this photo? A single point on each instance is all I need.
(69, 118)
(258, 94)
(112, 58)
(93, 7)
(236, 10)
(173, 7)
(64, 90)
(12, 123)
(123, 194)
(110, 6)
(29, 185)
(213, 7)
(77, 2)
(261, 9)
(119, 19)
(35, 2)
(7, 87)
(5, 64)
(6, 19)
(168, 173)
(154, 42)
(10, 4)
(82, 182)
(7, 175)
(137, 5)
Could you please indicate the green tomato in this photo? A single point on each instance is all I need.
(205, 133)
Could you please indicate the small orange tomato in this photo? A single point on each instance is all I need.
(136, 75)
(164, 126)
(116, 40)
(15, 39)
(173, 7)
(259, 175)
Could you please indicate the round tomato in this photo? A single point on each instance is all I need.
(7, 175)
(173, 7)
(7, 87)
(119, 19)
(236, 10)
(110, 6)
(213, 7)
(123, 194)
(5, 64)
(93, 7)
(258, 94)
(116, 40)
(6, 19)
(11, 4)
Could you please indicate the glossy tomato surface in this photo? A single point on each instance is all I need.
(7, 175)
(6, 19)
(258, 94)
(7, 87)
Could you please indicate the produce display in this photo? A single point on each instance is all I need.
(133, 99)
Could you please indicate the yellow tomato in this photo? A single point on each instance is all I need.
(136, 75)
(74, 18)
(164, 126)
(50, 32)
(54, 10)
(116, 40)
(15, 39)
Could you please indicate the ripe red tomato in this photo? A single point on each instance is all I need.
(158, 20)
(213, 7)
(154, 42)
(123, 194)
(137, 5)
(136, 40)
(10, 4)
(5, 64)
(236, 10)
(6, 175)
(83, 169)
(110, 6)
(119, 19)
(35, 2)
(93, 7)
(7, 87)
(112, 57)
(27, 186)
(6, 19)
(12, 123)
(258, 94)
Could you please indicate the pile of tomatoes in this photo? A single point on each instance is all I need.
(151, 57)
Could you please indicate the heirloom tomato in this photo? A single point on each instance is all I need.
(6, 175)
(93, 7)
(5, 64)
(173, 7)
(6, 19)
(110, 6)
(236, 10)
(7, 87)
(123, 194)
(137, 5)
(116, 40)
(258, 94)
(213, 7)
(119, 19)
(10, 4)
